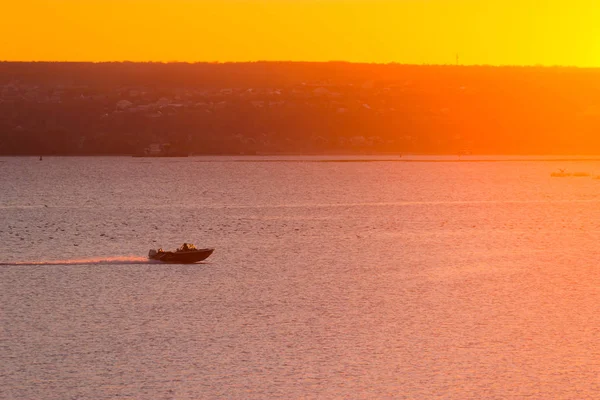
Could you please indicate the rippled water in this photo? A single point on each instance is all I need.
(329, 280)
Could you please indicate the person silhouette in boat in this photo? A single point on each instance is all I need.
(185, 247)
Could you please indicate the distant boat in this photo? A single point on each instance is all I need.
(161, 150)
(171, 154)
(186, 254)
(40, 158)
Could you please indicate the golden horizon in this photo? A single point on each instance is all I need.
(413, 32)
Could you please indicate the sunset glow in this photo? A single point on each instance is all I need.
(497, 32)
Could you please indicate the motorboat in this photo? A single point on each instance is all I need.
(186, 254)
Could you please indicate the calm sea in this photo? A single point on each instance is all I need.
(357, 280)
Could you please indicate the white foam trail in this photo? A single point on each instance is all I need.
(87, 261)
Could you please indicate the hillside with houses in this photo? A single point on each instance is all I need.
(296, 108)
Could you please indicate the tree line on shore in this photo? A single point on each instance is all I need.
(288, 107)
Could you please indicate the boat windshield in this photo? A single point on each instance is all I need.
(187, 247)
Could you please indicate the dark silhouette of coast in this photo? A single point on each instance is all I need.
(296, 108)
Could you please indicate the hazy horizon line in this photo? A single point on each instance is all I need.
(295, 62)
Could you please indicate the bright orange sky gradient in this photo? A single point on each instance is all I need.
(497, 32)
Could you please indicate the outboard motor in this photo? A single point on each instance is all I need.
(152, 253)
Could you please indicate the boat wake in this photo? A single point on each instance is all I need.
(87, 261)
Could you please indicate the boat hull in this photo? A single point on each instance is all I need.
(182, 257)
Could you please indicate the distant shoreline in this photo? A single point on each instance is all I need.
(306, 108)
(343, 158)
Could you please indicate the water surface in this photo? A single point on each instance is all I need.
(330, 279)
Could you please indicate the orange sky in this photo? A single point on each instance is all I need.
(548, 32)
